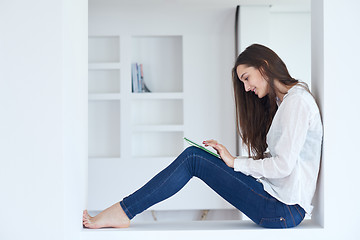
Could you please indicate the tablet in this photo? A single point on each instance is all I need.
(201, 147)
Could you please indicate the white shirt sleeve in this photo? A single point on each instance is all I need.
(292, 124)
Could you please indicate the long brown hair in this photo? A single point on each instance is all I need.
(254, 115)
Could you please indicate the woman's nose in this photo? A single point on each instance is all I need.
(247, 88)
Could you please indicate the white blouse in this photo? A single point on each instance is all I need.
(294, 141)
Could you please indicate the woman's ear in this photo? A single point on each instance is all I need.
(262, 72)
(266, 62)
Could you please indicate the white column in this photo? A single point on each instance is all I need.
(75, 116)
(336, 84)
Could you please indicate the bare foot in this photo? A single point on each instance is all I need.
(113, 216)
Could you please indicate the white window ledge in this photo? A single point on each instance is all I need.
(199, 229)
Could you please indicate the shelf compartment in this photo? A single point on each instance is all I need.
(104, 96)
(157, 112)
(104, 49)
(157, 144)
(104, 128)
(157, 95)
(159, 128)
(162, 59)
(106, 65)
(104, 81)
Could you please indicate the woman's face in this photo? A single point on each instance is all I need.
(253, 80)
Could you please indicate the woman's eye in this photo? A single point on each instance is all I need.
(246, 78)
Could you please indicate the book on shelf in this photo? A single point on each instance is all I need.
(137, 78)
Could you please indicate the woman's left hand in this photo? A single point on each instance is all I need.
(222, 151)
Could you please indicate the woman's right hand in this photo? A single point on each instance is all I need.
(222, 151)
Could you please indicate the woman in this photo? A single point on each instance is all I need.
(273, 188)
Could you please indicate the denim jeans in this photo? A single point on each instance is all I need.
(243, 192)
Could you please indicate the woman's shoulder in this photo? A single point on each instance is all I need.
(300, 94)
(300, 90)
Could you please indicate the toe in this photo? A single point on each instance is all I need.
(86, 215)
(88, 225)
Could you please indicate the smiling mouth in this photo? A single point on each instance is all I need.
(254, 90)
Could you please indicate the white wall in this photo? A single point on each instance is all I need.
(41, 192)
(317, 87)
(341, 117)
(31, 175)
(283, 28)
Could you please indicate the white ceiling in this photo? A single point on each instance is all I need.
(305, 3)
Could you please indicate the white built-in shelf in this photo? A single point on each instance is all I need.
(104, 81)
(151, 95)
(128, 131)
(104, 96)
(107, 65)
(159, 128)
(136, 96)
(104, 49)
(161, 57)
(104, 159)
(104, 128)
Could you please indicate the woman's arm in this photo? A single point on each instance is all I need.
(292, 127)
(294, 124)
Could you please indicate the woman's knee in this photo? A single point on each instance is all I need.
(191, 150)
(190, 154)
(193, 153)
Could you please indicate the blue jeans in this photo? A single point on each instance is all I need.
(243, 192)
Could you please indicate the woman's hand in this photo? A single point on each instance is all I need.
(222, 151)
